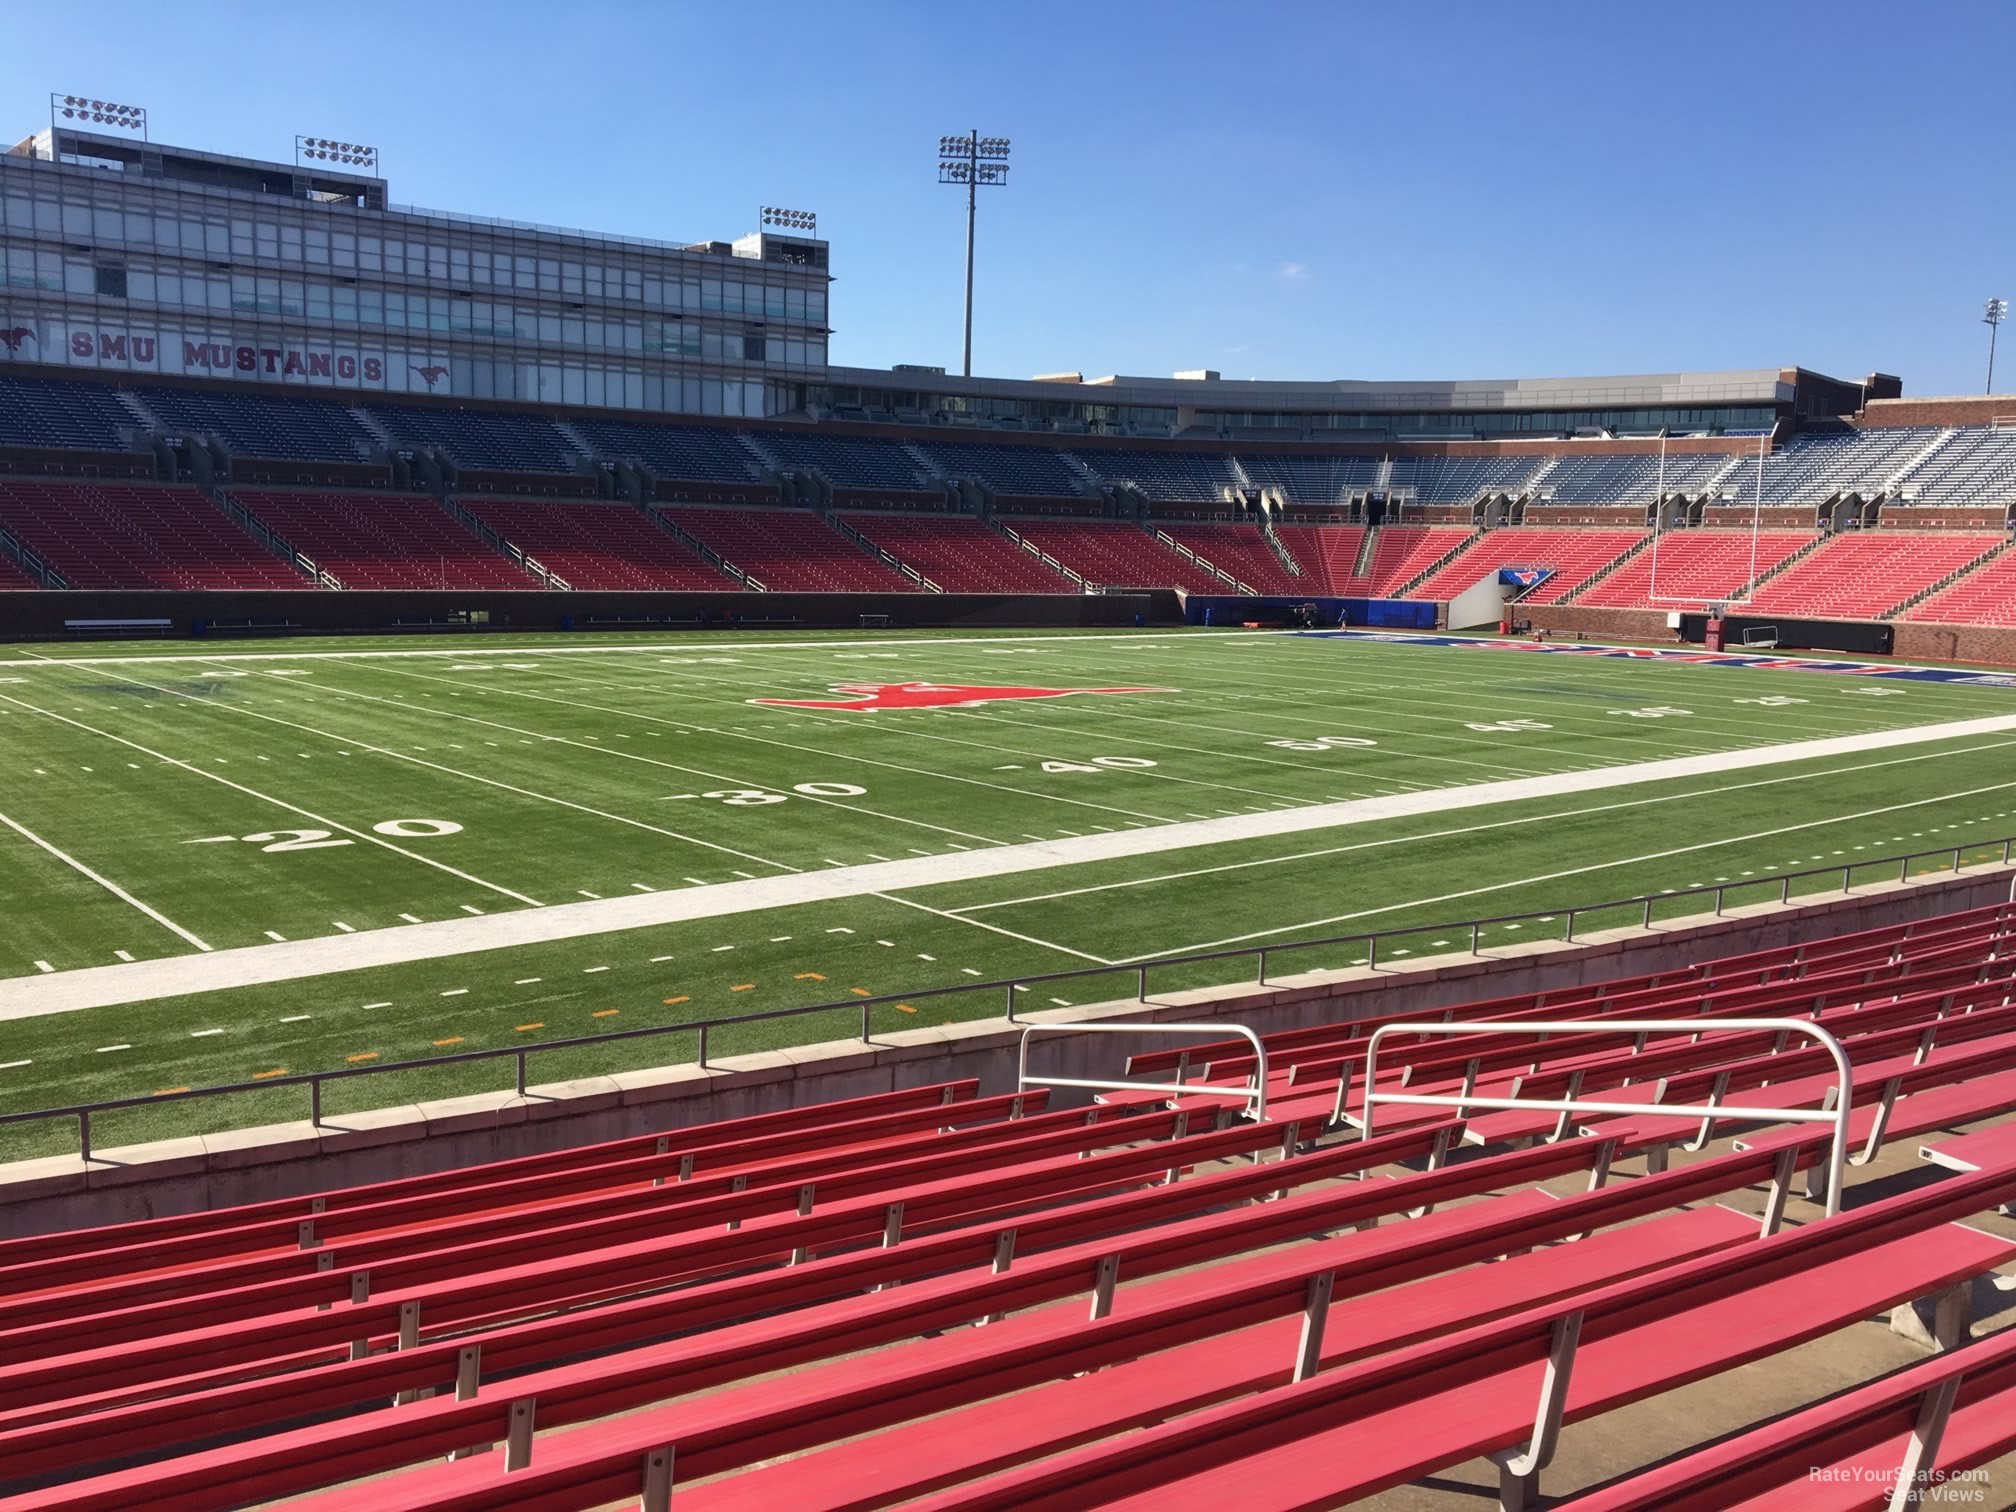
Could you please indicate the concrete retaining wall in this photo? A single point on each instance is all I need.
(256, 1164)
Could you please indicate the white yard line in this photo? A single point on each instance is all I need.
(887, 818)
(448, 771)
(1553, 816)
(98, 986)
(1575, 871)
(105, 882)
(992, 929)
(364, 835)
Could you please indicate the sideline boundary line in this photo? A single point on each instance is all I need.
(105, 882)
(101, 986)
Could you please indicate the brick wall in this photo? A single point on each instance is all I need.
(1988, 645)
(1566, 621)
(1953, 409)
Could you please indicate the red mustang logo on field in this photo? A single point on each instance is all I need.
(925, 695)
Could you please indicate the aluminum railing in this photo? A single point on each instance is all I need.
(1709, 1112)
(1253, 1094)
(1776, 887)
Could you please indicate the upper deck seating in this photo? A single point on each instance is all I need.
(1185, 476)
(1031, 471)
(695, 453)
(851, 461)
(1311, 480)
(1459, 479)
(1976, 465)
(1634, 479)
(55, 412)
(507, 441)
(254, 424)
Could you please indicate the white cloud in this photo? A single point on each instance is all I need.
(1292, 272)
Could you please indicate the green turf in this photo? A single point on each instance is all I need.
(564, 768)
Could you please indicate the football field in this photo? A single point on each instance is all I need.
(253, 859)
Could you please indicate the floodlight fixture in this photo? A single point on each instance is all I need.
(973, 162)
(85, 110)
(1993, 314)
(343, 154)
(790, 220)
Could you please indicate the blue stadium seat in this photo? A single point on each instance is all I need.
(1033, 471)
(482, 438)
(1189, 476)
(846, 460)
(54, 412)
(693, 452)
(264, 425)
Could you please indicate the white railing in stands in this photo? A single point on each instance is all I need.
(1254, 1093)
(1709, 1112)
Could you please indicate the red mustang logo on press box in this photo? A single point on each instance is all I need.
(925, 695)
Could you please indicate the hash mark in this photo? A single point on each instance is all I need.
(591, 970)
(123, 955)
(456, 992)
(659, 960)
(108, 1049)
(369, 1006)
(527, 981)
(203, 1033)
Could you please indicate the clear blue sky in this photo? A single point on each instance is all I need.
(1294, 189)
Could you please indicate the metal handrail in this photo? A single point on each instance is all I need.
(1254, 1093)
(1837, 1159)
(1008, 986)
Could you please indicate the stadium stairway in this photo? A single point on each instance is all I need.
(1147, 1298)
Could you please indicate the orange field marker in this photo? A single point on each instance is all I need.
(670, 1001)
(528, 1028)
(362, 1056)
(453, 1039)
(262, 1075)
(605, 1013)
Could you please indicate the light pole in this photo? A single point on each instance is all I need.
(971, 160)
(1997, 311)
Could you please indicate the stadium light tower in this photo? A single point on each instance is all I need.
(83, 109)
(1997, 311)
(974, 161)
